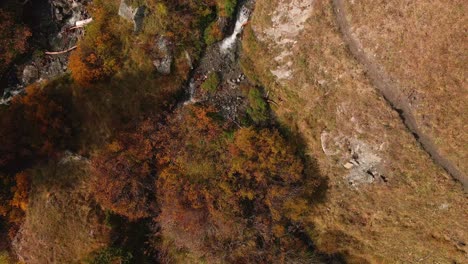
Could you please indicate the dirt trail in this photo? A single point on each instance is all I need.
(384, 84)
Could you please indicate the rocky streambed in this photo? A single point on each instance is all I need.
(222, 59)
(53, 24)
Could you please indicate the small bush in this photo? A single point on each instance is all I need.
(258, 107)
(112, 255)
(124, 173)
(212, 82)
(213, 33)
(226, 7)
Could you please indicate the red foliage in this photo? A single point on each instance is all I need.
(240, 192)
(235, 192)
(124, 174)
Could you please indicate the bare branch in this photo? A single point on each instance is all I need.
(82, 23)
(60, 52)
(271, 101)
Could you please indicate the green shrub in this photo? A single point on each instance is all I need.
(226, 7)
(112, 255)
(135, 3)
(157, 20)
(258, 107)
(212, 82)
(213, 33)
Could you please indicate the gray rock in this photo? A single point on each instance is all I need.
(163, 56)
(55, 68)
(67, 10)
(50, 34)
(30, 74)
(189, 59)
(348, 165)
(135, 15)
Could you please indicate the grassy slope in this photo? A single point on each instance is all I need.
(403, 220)
(62, 217)
(423, 46)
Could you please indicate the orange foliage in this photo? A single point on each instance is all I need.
(239, 190)
(97, 55)
(242, 188)
(265, 156)
(21, 190)
(86, 68)
(124, 172)
(14, 201)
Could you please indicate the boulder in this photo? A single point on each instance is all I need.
(348, 165)
(135, 15)
(163, 56)
(30, 74)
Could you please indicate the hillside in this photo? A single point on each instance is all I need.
(233, 131)
(387, 175)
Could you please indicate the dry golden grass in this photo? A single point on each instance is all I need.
(62, 224)
(423, 46)
(419, 214)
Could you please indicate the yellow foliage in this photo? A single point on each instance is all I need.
(296, 208)
(21, 190)
(115, 146)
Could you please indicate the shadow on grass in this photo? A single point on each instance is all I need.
(318, 196)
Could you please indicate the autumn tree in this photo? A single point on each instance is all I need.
(240, 190)
(99, 54)
(14, 195)
(124, 173)
(86, 67)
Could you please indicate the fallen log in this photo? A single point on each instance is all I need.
(82, 23)
(60, 52)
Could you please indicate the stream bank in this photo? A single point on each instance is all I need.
(222, 59)
(51, 23)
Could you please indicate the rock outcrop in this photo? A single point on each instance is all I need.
(163, 55)
(135, 15)
(51, 20)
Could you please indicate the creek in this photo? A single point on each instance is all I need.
(222, 58)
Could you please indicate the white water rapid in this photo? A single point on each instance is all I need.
(192, 87)
(242, 19)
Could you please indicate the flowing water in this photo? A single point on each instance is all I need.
(221, 57)
(243, 17)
